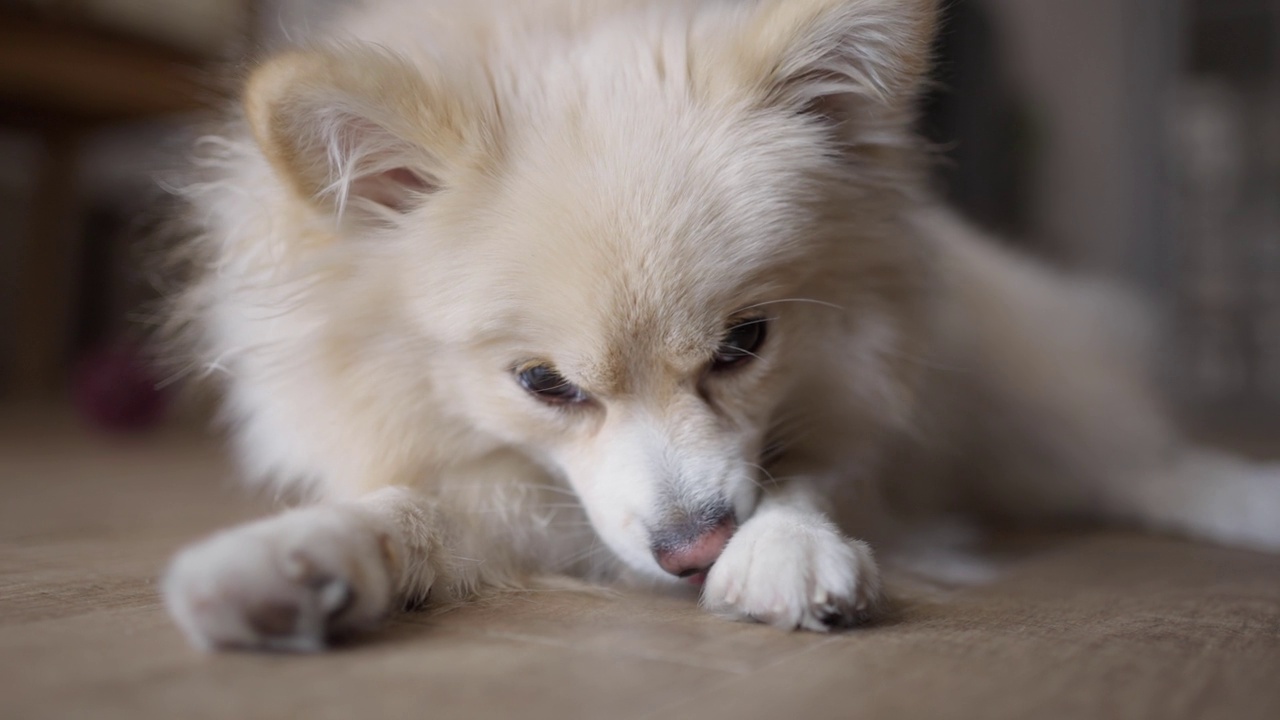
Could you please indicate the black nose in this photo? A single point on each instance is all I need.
(691, 546)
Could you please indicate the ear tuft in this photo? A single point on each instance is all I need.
(351, 129)
(805, 52)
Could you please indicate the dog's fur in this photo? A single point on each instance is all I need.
(428, 196)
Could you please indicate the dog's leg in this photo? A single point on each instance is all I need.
(1207, 494)
(790, 566)
(298, 580)
(1061, 415)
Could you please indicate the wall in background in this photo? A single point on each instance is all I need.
(20, 153)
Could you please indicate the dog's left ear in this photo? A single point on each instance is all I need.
(831, 55)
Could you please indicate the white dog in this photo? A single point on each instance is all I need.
(497, 280)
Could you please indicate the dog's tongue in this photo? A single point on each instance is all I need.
(697, 579)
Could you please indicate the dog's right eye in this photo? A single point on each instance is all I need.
(549, 386)
(740, 343)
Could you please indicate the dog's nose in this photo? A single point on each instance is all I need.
(691, 552)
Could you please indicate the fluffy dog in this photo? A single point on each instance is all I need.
(635, 289)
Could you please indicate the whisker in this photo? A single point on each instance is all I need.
(773, 481)
(811, 301)
(576, 558)
(922, 360)
(552, 488)
(755, 321)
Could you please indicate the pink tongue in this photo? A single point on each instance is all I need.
(697, 579)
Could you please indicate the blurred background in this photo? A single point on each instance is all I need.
(1137, 139)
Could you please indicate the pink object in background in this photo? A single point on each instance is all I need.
(115, 387)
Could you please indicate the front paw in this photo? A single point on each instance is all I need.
(793, 570)
(288, 583)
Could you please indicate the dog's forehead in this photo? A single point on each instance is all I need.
(646, 194)
(633, 245)
(631, 218)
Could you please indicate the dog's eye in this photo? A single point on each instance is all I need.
(740, 343)
(549, 386)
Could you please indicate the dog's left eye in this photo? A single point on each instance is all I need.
(740, 343)
(549, 386)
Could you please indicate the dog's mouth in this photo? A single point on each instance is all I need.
(697, 579)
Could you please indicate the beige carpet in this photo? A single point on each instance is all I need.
(1095, 626)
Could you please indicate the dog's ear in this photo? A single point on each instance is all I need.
(352, 130)
(832, 55)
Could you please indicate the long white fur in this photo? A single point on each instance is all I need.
(427, 194)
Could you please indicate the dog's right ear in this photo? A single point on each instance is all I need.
(857, 63)
(353, 131)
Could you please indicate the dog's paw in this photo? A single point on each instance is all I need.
(793, 571)
(289, 583)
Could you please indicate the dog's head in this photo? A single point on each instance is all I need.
(626, 236)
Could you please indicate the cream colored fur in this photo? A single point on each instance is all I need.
(427, 196)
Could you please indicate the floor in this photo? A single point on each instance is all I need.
(1109, 625)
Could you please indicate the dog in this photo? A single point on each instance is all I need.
(636, 291)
